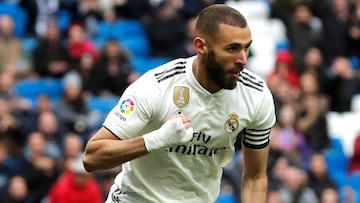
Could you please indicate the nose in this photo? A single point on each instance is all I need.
(241, 57)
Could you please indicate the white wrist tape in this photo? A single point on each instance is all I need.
(171, 132)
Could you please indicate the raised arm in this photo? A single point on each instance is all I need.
(104, 150)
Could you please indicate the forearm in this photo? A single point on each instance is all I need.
(254, 190)
(105, 154)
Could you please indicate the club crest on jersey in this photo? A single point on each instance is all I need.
(126, 108)
(232, 123)
(181, 96)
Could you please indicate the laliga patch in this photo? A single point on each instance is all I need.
(231, 124)
(181, 96)
(126, 109)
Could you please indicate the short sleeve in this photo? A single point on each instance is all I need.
(135, 108)
(257, 134)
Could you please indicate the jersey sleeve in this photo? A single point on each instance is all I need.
(135, 108)
(257, 134)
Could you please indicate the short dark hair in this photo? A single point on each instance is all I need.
(208, 20)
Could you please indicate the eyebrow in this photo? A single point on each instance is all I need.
(247, 45)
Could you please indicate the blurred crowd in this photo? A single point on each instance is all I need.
(315, 70)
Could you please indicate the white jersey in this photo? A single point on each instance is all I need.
(188, 172)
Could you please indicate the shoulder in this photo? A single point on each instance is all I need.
(169, 70)
(251, 81)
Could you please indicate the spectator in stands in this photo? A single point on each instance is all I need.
(119, 72)
(354, 30)
(7, 169)
(75, 185)
(309, 83)
(10, 129)
(11, 51)
(73, 112)
(50, 57)
(286, 138)
(284, 70)
(166, 31)
(7, 120)
(335, 37)
(188, 48)
(283, 81)
(16, 192)
(342, 84)
(282, 10)
(318, 178)
(312, 123)
(41, 171)
(314, 63)
(330, 195)
(133, 10)
(72, 148)
(15, 103)
(304, 31)
(39, 13)
(89, 12)
(92, 75)
(294, 187)
(48, 125)
(78, 43)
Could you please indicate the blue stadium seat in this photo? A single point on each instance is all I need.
(340, 177)
(30, 89)
(143, 64)
(104, 30)
(29, 44)
(354, 181)
(128, 28)
(226, 198)
(137, 46)
(103, 105)
(336, 144)
(64, 19)
(18, 14)
(336, 160)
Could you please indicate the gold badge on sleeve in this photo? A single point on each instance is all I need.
(181, 96)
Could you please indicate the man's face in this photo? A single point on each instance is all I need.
(224, 77)
(227, 55)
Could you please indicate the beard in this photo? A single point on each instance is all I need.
(217, 73)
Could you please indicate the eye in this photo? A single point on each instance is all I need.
(232, 49)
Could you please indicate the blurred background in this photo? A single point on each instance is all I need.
(65, 63)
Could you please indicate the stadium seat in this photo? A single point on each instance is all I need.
(128, 28)
(143, 64)
(30, 89)
(137, 46)
(29, 44)
(18, 14)
(102, 105)
(336, 144)
(340, 177)
(64, 19)
(336, 160)
(226, 198)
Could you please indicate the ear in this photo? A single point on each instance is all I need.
(200, 45)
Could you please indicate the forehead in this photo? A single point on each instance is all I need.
(232, 35)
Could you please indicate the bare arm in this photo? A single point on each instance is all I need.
(254, 180)
(104, 150)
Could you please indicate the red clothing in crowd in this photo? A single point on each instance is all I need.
(354, 165)
(66, 191)
(286, 71)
